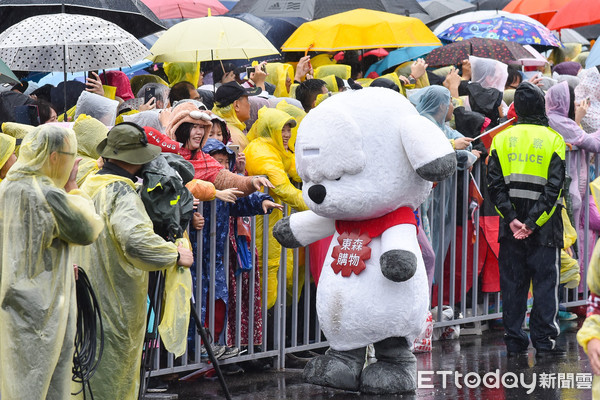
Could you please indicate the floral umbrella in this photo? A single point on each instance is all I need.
(454, 53)
(502, 28)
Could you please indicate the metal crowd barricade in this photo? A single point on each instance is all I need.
(475, 306)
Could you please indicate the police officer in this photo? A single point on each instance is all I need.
(526, 171)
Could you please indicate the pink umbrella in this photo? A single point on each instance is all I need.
(169, 9)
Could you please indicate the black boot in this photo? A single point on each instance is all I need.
(337, 369)
(395, 370)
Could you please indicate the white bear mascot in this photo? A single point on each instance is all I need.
(367, 160)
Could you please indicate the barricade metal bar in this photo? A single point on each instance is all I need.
(463, 263)
(295, 288)
(199, 282)
(306, 326)
(265, 278)
(452, 243)
(281, 303)
(466, 204)
(212, 260)
(439, 252)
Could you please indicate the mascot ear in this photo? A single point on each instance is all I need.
(429, 151)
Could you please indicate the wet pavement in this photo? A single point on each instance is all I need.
(479, 357)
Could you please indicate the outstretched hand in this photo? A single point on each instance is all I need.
(269, 205)
(259, 181)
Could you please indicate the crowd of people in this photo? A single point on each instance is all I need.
(83, 152)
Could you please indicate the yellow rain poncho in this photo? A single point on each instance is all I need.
(330, 83)
(118, 264)
(569, 268)
(322, 59)
(182, 71)
(591, 326)
(39, 221)
(16, 130)
(236, 127)
(342, 71)
(278, 75)
(90, 132)
(265, 155)
(7, 149)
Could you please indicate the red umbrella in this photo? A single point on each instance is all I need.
(177, 9)
(454, 53)
(576, 13)
(540, 10)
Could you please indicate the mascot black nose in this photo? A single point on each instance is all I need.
(317, 193)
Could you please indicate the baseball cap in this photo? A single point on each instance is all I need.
(231, 91)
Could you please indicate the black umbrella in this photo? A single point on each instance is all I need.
(276, 30)
(314, 9)
(132, 15)
(491, 4)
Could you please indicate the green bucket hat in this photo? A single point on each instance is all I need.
(127, 142)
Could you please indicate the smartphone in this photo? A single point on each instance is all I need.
(234, 147)
(91, 74)
(250, 70)
(149, 93)
(27, 114)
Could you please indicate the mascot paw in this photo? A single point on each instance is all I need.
(282, 231)
(389, 378)
(398, 265)
(438, 170)
(337, 369)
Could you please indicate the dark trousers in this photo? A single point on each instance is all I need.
(522, 262)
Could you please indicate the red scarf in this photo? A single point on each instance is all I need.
(354, 236)
(376, 226)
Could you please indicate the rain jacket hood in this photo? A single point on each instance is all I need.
(7, 148)
(229, 115)
(35, 154)
(488, 73)
(530, 105)
(433, 102)
(90, 132)
(268, 127)
(277, 74)
(182, 71)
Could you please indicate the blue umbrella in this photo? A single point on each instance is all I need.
(398, 57)
(594, 57)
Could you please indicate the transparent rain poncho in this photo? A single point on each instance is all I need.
(38, 223)
(488, 73)
(119, 262)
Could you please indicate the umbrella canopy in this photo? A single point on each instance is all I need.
(491, 4)
(315, 9)
(502, 28)
(594, 57)
(133, 15)
(398, 57)
(540, 10)
(6, 75)
(568, 35)
(442, 9)
(360, 29)
(276, 30)
(478, 15)
(68, 43)
(576, 13)
(211, 38)
(454, 53)
(170, 9)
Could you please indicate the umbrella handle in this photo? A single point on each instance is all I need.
(308, 49)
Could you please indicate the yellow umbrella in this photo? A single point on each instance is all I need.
(360, 29)
(211, 38)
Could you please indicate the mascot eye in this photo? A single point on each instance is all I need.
(310, 151)
(337, 179)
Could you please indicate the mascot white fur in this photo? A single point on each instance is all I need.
(367, 160)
